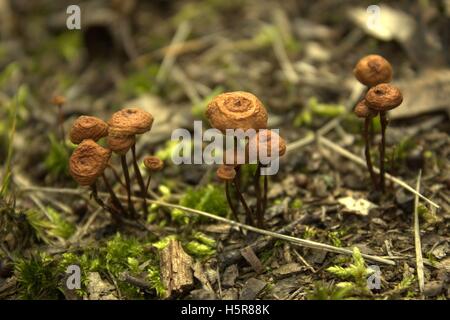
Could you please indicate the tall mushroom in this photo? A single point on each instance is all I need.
(152, 164)
(123, 126)
(370, 70)
(237, 110)
(382, 98)
(86, 164)
(259, 145)
(93, 128)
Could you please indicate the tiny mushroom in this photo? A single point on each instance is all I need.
(226, 172)
(362, 110)
(236, 110)
(123, 126)
(87, 127)
(130, 121)
(263, 139)
(88, 162)
(372, 70)
(153, 163)
(384, 97)
(120, 145)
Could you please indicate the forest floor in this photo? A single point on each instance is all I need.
(171, 58)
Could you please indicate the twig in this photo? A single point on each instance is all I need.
(347, 154)
(417, 243)
(301, 143)
(298, 241)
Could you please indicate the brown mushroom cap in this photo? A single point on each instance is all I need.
(372, 70)
(86, 127)
(130, 121)
(58, 100)
(236, 110)
(362, 110)
(120, 144)
(263, 139)
(153, 163)
(88, 161)
(226, 173)
(384, 97)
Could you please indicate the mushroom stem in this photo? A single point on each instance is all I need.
(140, 180)
(257, 184)
(147, 185)
(123, 161)
(384, 123)
(366, 133)
(113, 195)
(266, 188)
(230, 203)
(244, 203)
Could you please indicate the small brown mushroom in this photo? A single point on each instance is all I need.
(153, 163)
(120, 144)
(384, 97)
(263, 139)
(86, 127)
(236, 110)
(58, 100)
(362, 110)
(88, 162)
(130, 121)
(372, 70)
(226, 173)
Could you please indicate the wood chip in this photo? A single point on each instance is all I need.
(250, 256)
(251, 289)
(176, 272)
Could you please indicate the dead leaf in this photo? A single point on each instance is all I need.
(358, 206)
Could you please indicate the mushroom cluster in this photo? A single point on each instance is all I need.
(89, 160)
(375, 72)
(241, 110)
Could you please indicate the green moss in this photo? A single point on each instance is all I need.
(36, 278)
(327, 291)
(210, 198)
(57, 160)
(199, 250)
(310, 233)
(50, 225)
(356, 272)
(140, 82)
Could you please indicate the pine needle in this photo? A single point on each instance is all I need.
(417, 243)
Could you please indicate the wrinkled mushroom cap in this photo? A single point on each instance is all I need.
(372, 70)
(58, 100)
(120, 144)
(362, 110)
(86, 127)
(130, 121)
(88, 161)
(236, 110)
(384, 97)
(153, 163)
(226, 173)
(263, 139)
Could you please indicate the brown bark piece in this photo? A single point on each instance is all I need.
(176, 272)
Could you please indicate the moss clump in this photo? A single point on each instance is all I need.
(210, 198)
(36, 278)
